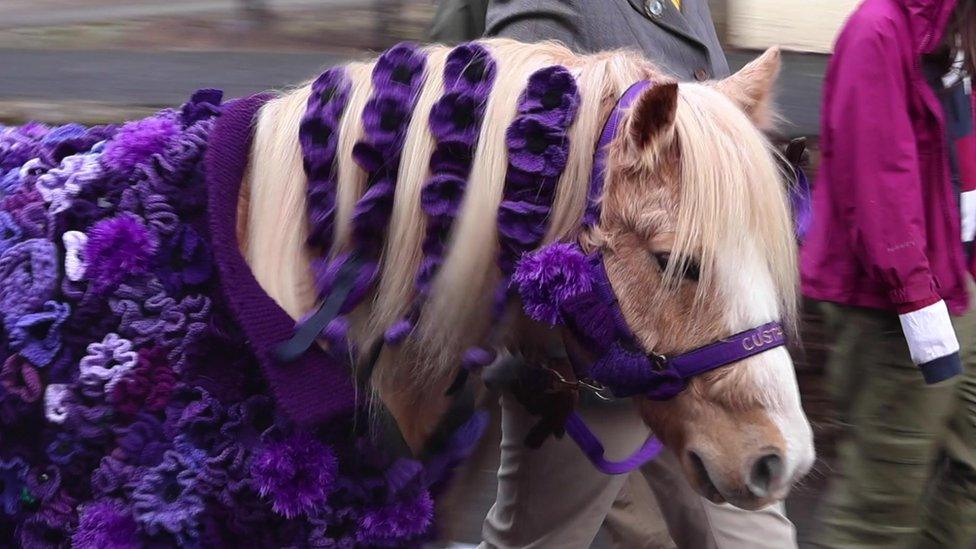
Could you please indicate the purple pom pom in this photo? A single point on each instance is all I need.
(397, 521)
(297, 474)
(118, 247)
(137, 141)
(549, 277)
(106, 525)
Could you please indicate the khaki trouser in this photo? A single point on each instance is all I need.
(906, 470)
(553, 497)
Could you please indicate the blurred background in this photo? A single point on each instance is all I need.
(100, 61)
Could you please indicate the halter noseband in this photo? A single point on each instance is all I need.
(561, 284)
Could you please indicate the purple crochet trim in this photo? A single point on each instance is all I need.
(538, 149)
(397, 80)
(455, 122)
(319, 137)
(133, 411)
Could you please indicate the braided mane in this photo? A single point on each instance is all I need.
(489, 158)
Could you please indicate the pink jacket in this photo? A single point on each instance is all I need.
(886, 224)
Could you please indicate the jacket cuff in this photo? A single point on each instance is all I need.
(932, 342)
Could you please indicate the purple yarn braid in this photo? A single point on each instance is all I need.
(538, 150)
(319, 137)
(455, 122)
(397, 79)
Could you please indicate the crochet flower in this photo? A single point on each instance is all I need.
(19, 379)
(385, 120)
(13, 473)
(552, 95)
(203, 104)
(10, 182)
(199, 422)
(137, 141)
(185, 261)
(42, 483)
(469, 67)
(106, 524)
(165, 500)
(536, 147)
(55, 402)
(147, 386)
(296, 474)
(51, 525)
(65, 449)
(522, 222)
(248, 421)
(74, 264)
(112, 476)
(10, 232)
(37, 336)
(118, 248)
(105, 364)
(454, 119)
(442, 195)
(393, 524)
(20, 144)
(61, 184)
(142, 442)
(28, 278)
(399, 68)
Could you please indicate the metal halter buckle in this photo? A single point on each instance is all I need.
(659, 361)
(598, 389)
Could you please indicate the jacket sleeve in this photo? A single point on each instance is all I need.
(875, 163)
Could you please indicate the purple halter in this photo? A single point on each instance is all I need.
(560, 284)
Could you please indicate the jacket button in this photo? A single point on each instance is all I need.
(655, 8)
(701, 75)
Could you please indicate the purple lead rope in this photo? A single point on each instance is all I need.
(590, 445)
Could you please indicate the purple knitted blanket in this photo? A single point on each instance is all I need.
(133, 413)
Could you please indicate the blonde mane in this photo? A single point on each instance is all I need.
(721, 204)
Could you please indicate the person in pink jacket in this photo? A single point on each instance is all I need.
(889, 256)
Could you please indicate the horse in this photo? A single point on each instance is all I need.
(208, 316)
(695, 232)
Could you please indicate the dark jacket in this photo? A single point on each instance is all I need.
(683, 42)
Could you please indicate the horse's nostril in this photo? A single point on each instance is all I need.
(765, 475)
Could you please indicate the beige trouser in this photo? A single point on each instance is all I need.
(553, 497)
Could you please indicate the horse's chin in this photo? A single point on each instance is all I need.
(719, 490)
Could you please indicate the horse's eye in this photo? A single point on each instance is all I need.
(692, 268)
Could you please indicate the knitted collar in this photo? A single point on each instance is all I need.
(312, 387)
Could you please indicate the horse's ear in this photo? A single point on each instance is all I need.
(752, 87)
(652, 118)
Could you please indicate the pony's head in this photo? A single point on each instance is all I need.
(697, 243)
